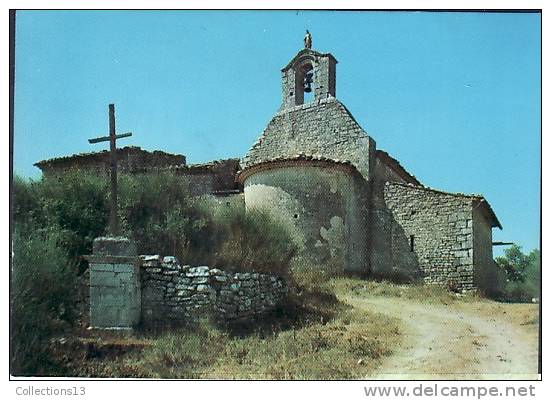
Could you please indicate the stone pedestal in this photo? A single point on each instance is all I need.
(115, 289)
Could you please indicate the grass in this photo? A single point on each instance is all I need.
(313, 336)
(347, 347)
(419, 292)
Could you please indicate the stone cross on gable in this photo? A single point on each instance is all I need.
(112, 138)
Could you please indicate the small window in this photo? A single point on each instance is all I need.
(411, 243)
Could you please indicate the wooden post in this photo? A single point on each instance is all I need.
(113, 220)
(112, 138)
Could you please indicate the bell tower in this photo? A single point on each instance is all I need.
(308, 71)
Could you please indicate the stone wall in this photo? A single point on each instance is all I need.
(130, 159)
(174, 294)
(324, 206)
(487, 275)
(432, 231)
(381, 221)
(323, 129)
(216, 177)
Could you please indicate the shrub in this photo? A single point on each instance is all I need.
(42, 299)
(25, 201)
(159, 213)
(523, 274)
(252, 241)
(155, 210)
(74, 207)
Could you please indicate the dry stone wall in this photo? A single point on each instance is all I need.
(174, 294)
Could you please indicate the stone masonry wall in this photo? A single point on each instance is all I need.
(323, 129)
(174, 294)
(436, 230)
(216, 177)
(323, 207)
(488, 276)
(130, 159)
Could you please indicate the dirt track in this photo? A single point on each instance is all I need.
(463, 340)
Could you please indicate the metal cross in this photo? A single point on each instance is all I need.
(112, 138)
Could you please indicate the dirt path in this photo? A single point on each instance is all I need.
(459, 341)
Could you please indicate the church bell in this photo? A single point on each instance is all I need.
(308, 79)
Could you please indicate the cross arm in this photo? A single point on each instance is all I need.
(107, 138)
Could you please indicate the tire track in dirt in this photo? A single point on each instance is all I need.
(449, 342)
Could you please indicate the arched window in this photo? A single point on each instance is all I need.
(304, 83)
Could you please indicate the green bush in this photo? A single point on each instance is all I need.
(523, 274)
(251, 241)
(74, 207)
(42, 301)
(159, 214)
(26, 201)
(156, 211)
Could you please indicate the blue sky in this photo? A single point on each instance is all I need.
(455, 97)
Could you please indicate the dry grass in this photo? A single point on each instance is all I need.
(419, 292)
(318, 338)
(312, 336)
(347, 347)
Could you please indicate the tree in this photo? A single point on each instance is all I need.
(523, 273)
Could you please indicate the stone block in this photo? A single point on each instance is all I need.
(248, 283)
(122, 268)
(102, 278)
(170, 260)
(115, 288)
(150, 258)
(220, 278)
(197, 271)
(216, 271)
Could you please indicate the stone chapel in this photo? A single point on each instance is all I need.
(352, 206)
(349, 205)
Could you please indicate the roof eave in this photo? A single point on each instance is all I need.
(493, 217)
